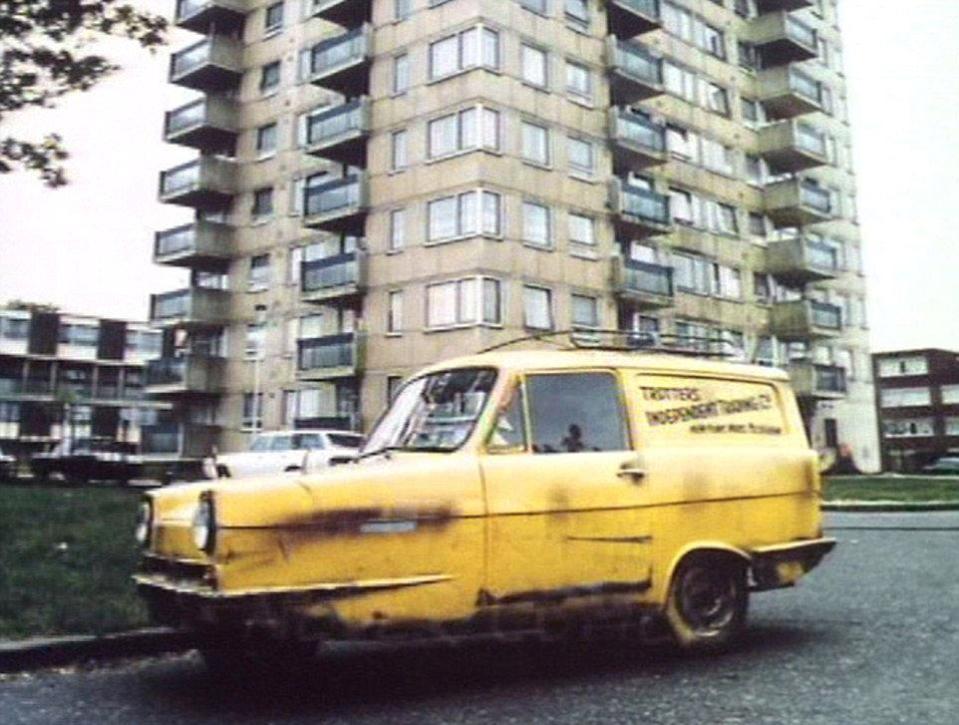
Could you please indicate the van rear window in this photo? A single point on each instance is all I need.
(708, 407)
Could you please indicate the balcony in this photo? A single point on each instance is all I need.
(797, 203)
(208, 124)
(635, 74)
(787, 92)
(342, 64)
(331, 356)
(804, 320)
(798, 261)
(644, 284)
(345, 13)
(201, 245)
(640, 212)
(29, 388)
(341, 133)
(211, 65)
(818, 382)
(781, 39)
(637, 142)
(170, 441)
(184, 375)
(629, 18)
(338, 206)
(342, 275)
(792, 146)
(205, 184)
(329, 422)
(193, 307)
(208, 16)
(775, 6)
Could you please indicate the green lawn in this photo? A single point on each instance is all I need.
(891, 488)
(66, 556)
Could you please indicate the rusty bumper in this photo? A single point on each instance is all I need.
(782, 565)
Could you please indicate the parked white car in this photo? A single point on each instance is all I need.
(286, 452)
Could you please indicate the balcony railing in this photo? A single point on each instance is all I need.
(194, 306)
(804, 320)
(342, 274)
(178, 440)
(208, 124)
(187, 374)
(782, 39)
(331, 355)
(774, 6)
(787, 92)
(644, 283)
(812, 380)
(798, 202)
(211, 65)
(341, 133)
(634, 72)
(206, 183)
(337, 206)
(204, 16)
(341, 64)
(202, 245)
(644, 211)
(638, 142)
(801, 260)
(791, 146)
(345, 13)
(629, 18)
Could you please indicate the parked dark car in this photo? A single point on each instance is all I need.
(87, 459)
(945, 466)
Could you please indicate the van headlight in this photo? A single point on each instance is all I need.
(144, 525)
(204, 524)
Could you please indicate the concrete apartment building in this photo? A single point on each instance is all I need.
(381, 184)
(64, 375)
(917, 400)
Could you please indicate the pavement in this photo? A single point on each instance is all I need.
(870, 636)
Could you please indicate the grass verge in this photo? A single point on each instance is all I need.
(892, 488)
(66, 556)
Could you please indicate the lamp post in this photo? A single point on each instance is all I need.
(260, 322)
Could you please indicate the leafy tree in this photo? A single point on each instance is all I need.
(43, 55)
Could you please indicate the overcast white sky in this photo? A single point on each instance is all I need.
(87, 247)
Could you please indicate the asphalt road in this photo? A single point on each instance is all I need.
(870, 637)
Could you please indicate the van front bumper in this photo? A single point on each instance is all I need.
(782, 565)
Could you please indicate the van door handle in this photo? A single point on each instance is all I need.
(631, 471)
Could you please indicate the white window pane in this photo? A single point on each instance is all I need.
(466, 292)
(535, 223)
(491, 213)
(442, 218)
(468, 131)
(490, 128)
(441, 304)
(469, 213)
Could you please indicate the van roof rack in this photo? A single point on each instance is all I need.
(631, 341)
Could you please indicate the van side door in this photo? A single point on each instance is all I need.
(564, 493)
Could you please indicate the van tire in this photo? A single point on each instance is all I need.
(707, 604)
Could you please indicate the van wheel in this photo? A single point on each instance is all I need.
(707, 604)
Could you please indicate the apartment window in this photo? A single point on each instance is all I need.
(537, 6)
(397, 229)
(692, 274)
(394, 314)
(582, 230)
(718, 158)
(909, 428)
(468, 129)
(535, 143)
(464, 214)
(950, 394)
(534, 64)
(255, 338)
(585, 311)
(904, 397)
(727, 282)
(581, 156)
(466, 301)
(262, 203)
(259, 272)
(748, 56)
(892, 367)
(80, 335)
(537, 308)
(754, 170)
(252, 411)
(270, 77)
(13, 328)
(266, 140)
(713, 41)
(579, 81)
(680, 81)
(536, 224)
(681, 205)
(577, 13)
(401, 73)
(273, 18)
(757, 224)
(402, 9)
(723, 219)
(752, 113)
(398, 152)
(469, 49)
(715, 98)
